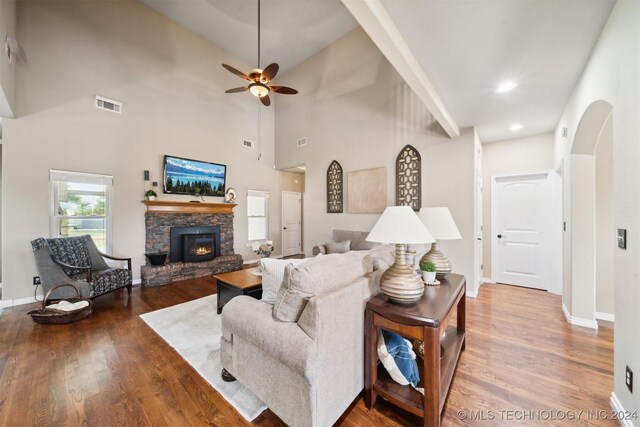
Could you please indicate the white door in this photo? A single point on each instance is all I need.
(291, 223)
(520, 230)
(478, 227)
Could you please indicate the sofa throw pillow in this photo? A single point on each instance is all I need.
(383, 256)
(272, 275)
(316, 276)
(338, 248)
(398, 358)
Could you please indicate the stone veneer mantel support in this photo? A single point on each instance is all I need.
(162, 215)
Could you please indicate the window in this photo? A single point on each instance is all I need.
(81, 204)
(258, 214)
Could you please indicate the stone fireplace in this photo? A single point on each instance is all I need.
(198, 238)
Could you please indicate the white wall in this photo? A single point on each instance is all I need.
(519, 155)
(172, 86)
(612, 75)
(605, 221)
(354, 107)
(7, 70)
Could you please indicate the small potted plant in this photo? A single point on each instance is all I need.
(151, 195)
(263, 249)
(428, 271)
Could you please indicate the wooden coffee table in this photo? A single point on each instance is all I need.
(235, 283)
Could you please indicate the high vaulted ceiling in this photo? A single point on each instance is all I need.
(465, 48)
(292, 30)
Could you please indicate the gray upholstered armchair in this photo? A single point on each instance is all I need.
(77, 261)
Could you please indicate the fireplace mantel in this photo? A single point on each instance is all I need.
(166, 206)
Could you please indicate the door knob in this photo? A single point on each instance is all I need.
(285, 228)
(499, 236)
(479, 238)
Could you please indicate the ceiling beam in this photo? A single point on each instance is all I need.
(377, 23)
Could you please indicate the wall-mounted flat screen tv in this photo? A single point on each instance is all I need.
(187, 176)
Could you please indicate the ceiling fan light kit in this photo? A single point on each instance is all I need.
(259, 79)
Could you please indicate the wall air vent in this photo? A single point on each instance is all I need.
(302, 142)
(108, 104)
(248, 144)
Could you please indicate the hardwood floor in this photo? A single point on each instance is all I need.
(111, 369)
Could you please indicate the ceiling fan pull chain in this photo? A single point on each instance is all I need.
(258, 34)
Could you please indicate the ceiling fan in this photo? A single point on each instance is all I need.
(259, 79)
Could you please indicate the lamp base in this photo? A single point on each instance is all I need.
(400, 283)
(443, 266)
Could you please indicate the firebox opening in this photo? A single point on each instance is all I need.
(198, 247)
(194, 243)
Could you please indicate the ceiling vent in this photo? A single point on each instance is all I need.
(248, 144)
(108, 104)
(302, 142)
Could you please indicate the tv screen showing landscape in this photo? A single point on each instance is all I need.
(186, 176)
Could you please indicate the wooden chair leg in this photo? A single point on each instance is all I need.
(129, 287)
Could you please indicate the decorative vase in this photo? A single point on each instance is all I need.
(151, 198)
(429, 276)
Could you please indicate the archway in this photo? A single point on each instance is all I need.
(591, 226)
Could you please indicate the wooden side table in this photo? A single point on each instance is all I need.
(235, 283)
(426, 321)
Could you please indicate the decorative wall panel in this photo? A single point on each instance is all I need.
(335, 185)
(408, 178)
(367, 191)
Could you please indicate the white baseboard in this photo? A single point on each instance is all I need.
(474, 293)
(488, 280)
(14, 302)
(586, 323)
(604, 316)
(28, 300)
(617, 406)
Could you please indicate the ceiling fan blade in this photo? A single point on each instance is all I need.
(237, 72)
(237, 89)
(269, 73)
(265, 100)
(283, 90)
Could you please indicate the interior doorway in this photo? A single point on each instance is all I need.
(590, 237)
(291, 223)
(520, 218)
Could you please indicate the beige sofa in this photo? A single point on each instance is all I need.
(306, 371)
(358, 241)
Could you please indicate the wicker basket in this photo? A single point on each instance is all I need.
(54, 316)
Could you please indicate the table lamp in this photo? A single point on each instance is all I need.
(400, 225)
(440, 223)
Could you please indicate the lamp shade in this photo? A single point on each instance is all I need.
(440, 223)
(400, 224)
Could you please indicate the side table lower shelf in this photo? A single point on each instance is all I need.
(426, 320)
(408, 398)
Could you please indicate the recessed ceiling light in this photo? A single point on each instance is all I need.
(506, 87)
(515, 127)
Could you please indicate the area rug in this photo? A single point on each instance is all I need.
(194, 329)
